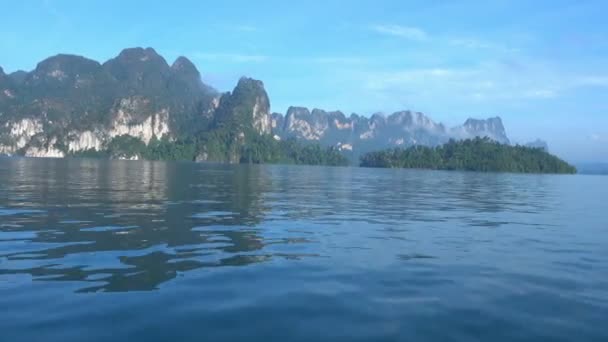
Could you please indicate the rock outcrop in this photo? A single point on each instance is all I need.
(362, 134)
(491, 128)
(538, 144)
(248, 106)
(70, 103)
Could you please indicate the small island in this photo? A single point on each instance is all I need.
(479, 154)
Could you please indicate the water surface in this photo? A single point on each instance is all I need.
(151, 251)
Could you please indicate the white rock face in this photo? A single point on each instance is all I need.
(6, 150)
(301, 123)
(410, 121)
(215, 102)
(45, 152)
(367, 135)
(376, 122)
(20, 132)
(400, 129)
(262, 121)
(57, 73)
(491, 128)
(87, 140)
(343, 125)
(128, 158)
(305, 130)
(25, 127)
(156, 125)
(345, 147)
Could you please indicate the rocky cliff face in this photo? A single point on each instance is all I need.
(248, 106)
(491, 128)
(538, 144)
(18, 134)
(362, 134)
(71, 103)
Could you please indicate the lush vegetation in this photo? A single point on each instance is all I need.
(477, 154)
(220, 146)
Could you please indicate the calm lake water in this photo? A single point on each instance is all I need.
(150, 251)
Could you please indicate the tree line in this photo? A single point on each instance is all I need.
(479, 154)
(220, 146)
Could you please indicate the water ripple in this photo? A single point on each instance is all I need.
(298, 253)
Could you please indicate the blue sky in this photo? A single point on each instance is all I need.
(540, 65)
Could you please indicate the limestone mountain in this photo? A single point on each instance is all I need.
(18, 76)
(248, 106)
(362, 134)
(240, 120)
(70, 103)
(491, 128)
(538, 143)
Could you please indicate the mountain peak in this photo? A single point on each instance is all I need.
(139, 53)
(492, 128)
(250, 83)
(493, 121)
(378, 118)
(247, 106)
(538, 143)
(183, 70)
(18, 76)
(296, 110)
(185, 66)
(3, 79)
(251, 88)
(62, 65)
(136, 60)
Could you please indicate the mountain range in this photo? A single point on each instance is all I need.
(69, 104)
(361, 134)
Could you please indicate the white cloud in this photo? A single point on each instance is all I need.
(231, 57)
(485, 82)
(407, 32)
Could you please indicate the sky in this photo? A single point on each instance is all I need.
(540, 65)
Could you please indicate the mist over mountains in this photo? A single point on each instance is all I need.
(70, 103)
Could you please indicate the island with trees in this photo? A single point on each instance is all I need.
(479, 154)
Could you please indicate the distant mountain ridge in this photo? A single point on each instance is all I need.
(70, 104)
(538, 143)
(400, 129)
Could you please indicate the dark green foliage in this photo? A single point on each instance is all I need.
(90, 154)
(476, 154)
(168, 150)
(126, 146)
(72, 93)
(236, 108)
(231, 146)
(311, 154)
(220, 146)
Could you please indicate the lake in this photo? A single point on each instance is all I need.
(96, 250)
